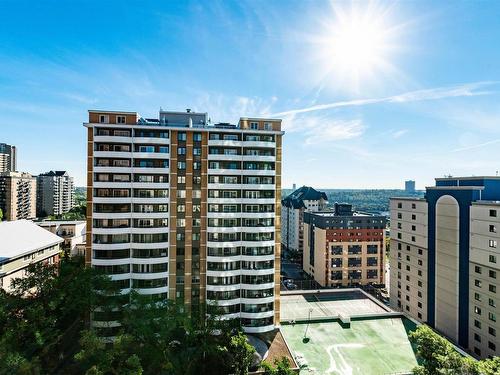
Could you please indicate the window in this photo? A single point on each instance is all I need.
(254, 125)
(477, 283)
(268, 126)
(197, 137)
(493, 274)
(196, 208)
(492, 288)
(181, 208)
(477, 269)
(181, 165)
(196, 180)
(181, 222)
(419, 315)
(492, 317)
(181, 193)
(196, 165)
(413, 227)
(181, 136)
(477, 324)
(492, 258)
(181, 179)
(120, 119)
(493, 229)
(414, 217)
(477, 296)
(493, 213)
(197, 151)
(400, 215)
(477, 310)
(492, 302)
(413, 205)
(492, 331)
(103, 119)
(491, 346)
(493, 243)
(477, 337)
(400, 205)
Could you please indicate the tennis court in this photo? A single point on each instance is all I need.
(327, 305)
(374, 346)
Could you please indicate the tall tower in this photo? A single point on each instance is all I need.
(8, 158)
(182, 209)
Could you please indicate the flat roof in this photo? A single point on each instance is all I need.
(106, 111)
(59, 222)
(420, 199)
(21, 237)
(465, 187)
(468, 178)
(486, 203)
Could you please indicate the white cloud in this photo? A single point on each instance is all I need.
(468, 89)
(399, 133)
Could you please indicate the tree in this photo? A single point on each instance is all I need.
(1, 214)
(282, 367)
(241, 352)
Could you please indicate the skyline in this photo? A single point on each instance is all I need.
(426, 105)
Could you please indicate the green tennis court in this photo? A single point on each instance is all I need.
(374, 346)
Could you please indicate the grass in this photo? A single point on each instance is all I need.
(373, 346)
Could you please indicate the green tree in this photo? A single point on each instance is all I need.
(1, 214)
(281, 367)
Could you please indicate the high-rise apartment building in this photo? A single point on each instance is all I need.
(344, 247)
(17, 195)
(8, 158)
(186, 210)
(55, 193)
(410, 186)
(292, 215)
(445, 260)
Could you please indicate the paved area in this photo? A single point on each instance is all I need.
(345, 304)
(376, 346)
(291, 270)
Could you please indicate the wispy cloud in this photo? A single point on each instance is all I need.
(467, 89)
(478, 145)
(399, 133)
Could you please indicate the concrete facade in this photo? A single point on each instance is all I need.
(17, 195)
(55, 193)
(8, 158)
(72, 232)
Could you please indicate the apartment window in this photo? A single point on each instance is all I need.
(413, 205)
(492, 317)
(197, 137)
(492, 331)
(104, 119)
(492, 288)
(408, 268)
(400, 205)
(492, 302)
(493, 228)
(181, 193)
(420, 262)
(477, 296)
(399, 236)
(400, 215)
(181, 179)
(419, 283)
(477, 269)
(181, 165)
(419, 294)
(408, 298)
(181, 223)
(399, 246)
(196, 180)
(181, 208)
(196, 208)
(197, 151)
(477, 283)
(419, 272)
(477, 324)
(407, 308)
(414, 217)
(407, 278)
(477, 351)
(493, 213)
(493, 274)
(419, 315)
(492, 258)
(254, 125)
(414, 228)
(197, 165)
(181, 136)
(407, 288)
(477, 337)
(413, 238)
(492, 346)
(493, 243)
(400, 226)
(419, 305)
(181, 151)
(420, 252)
(268, 126)
(120, 119)
(477, 310)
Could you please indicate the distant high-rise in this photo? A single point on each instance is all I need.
(410, 186)
(8, 162)
(294, 187)
(17, 195)
(55, 193)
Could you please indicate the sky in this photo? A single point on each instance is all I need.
(370, 93)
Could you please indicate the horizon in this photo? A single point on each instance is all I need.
(371, 94)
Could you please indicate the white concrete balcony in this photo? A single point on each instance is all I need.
(112, 184)
(110, 262)
(223, 288)
(266, 271)
(257, 300)
(220, 186)
(258, 186)
(149, 276)
(257, 243)
(120, 276)
(146, 170)
(257, 258)
(224, 157)
(111, 139)
(258, 172)
(149, 230)
(125, 230)
(252, 144)
(257, 200)
(152, 140)
(224, 273)
(122, 200)
(161, 289)
(222, 215)
(271, 158)
(257, 215)
(223, 229)
(223, 259)
(154, 245)
(154, 200)
(226, 302)
(230, 316)
(258, 229)
(257, 286)
(149, 215)
(105, 324)
(258, 329)
(111, 215)
(111, 246)
(151, 155)
(257, 315)
(150, 185)
(220, 142)
(230, 244)
(227, 172)
(113, 154)
(149, 260)
(111, 169)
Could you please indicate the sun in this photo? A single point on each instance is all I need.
(355, 45)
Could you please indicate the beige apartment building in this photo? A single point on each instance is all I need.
(444, 260)
(184, 209)
(72, 232)
(344, 247)
(23, 243)
(17, 195)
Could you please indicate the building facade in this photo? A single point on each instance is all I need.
(17, 195)
(72, 232)
(444, 260)
(186, 210)
(410, 186)
(23, 243)
(344, 247)
(8, 158)
(292, 215)
(55, 193)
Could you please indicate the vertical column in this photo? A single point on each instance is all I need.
(188, 244)
(204, 220)
(90, 193)
(277, 223)
(172, 254)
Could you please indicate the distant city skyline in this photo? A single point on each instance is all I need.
(371, 93)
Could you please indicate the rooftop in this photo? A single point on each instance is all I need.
(305, 193)
(21, 237)
(48, 223)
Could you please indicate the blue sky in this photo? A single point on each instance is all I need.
(426, 103)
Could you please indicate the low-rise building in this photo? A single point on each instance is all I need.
(17, 195)
(22, 243)
(344, 247)
(72, 232)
